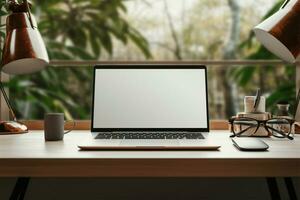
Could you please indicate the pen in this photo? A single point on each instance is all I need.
(257, 99)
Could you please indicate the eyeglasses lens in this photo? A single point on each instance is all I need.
(279, 127)
(244, 127)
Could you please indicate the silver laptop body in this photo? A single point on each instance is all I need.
(149, 106)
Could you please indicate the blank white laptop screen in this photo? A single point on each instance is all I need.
(150, 98)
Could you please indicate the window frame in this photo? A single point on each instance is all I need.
(214, 124)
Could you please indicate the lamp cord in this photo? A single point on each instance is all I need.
(29, 14)
(7, 101)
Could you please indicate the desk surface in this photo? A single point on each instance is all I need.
(29, 155)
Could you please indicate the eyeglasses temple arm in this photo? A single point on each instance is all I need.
(243, 131)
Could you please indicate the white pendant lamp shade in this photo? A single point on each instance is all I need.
(280, 33)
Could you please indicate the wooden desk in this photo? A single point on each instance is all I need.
(28, 155)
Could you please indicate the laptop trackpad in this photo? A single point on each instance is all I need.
(154, 143)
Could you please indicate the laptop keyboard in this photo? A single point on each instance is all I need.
(149, 135)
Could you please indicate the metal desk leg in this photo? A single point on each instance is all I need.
(20, 188)
(290, 188)
(273, 189)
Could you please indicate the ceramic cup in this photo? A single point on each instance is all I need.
(249, 102)
(54, 126)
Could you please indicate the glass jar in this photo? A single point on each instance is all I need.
(284, 112)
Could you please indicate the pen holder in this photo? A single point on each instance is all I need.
(249, 102)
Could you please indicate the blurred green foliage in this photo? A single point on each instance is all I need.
(85, 30)
(284, 82)
(72, 30)
(3, 13)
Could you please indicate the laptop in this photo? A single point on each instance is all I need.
(149, 107)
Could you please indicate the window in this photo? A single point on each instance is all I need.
(79, 34)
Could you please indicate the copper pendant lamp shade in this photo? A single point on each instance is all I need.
(24, 50)
(280, 33)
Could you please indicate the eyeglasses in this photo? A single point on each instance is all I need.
(278, 127)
